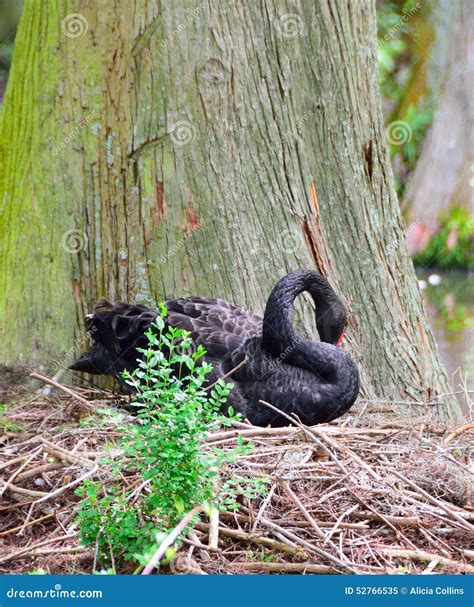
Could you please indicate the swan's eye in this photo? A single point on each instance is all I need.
(339, 341)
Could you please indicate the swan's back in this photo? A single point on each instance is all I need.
(219, 326)
(118, 329)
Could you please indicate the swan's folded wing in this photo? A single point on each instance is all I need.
(219, 326)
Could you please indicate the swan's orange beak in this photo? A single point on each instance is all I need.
(339, 341)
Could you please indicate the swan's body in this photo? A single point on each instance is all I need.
(313, 380)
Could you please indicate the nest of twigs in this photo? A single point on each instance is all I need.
(342, 497)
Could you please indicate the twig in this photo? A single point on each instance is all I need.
(50, 381)
(397, 532)
(284, 567)
(263, 507)
(303, 524)
(17, 472)
(241, 364)
(433, 500)
(50, 551)
(15, 460)
(249, 432)
(170, 539)
(214, 528)
(421, 555)
(408, 521)
(64, 454)
(308, 546)
(347, 451)
(458, 431)
(31, 492)
(39, 470)
(339, 522)
(22, 551)
(305, 513)
(197, 544)
(261, 540)
(29, 524)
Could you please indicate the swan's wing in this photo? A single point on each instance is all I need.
(216, 324)
(219, 326)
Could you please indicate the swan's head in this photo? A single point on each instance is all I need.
(117, 330)
(331, 323)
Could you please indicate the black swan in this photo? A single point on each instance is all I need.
(313, 380)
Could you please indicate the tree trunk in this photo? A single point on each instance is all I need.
(444, 172)
(159, 149)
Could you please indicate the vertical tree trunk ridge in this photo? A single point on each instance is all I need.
(230, 142)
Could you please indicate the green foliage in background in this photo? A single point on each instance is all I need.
(390, 50)
(166, 450)
(395, 62)
(10, 11)
(453, 245)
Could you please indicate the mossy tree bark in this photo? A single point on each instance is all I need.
(204, 148)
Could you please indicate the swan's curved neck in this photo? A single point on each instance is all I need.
(279, 335)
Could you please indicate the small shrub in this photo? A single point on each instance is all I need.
(164, 453)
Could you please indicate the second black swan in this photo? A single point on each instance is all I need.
(314, 380)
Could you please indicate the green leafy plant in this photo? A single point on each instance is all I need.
(165, 453)
(453, 245)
